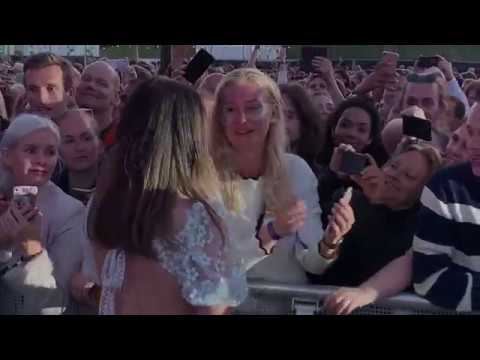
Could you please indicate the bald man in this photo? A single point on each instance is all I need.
(99, 90)
(446, 246)
(392, 134)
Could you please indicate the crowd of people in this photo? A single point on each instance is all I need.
(154, 195)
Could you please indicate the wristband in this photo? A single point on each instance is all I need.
(330, 246)
(271, 231)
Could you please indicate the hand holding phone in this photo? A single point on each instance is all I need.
(340, 220)
(417, 128)
(347, 196)
(337, 155)
(353, 163)
(308, 54)
(371, 180)
(426, 62)
(198, 65)
(25, 196)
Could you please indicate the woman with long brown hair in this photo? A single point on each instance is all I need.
(305, 131)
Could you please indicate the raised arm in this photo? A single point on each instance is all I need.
(253, 57)
(389, 281)
(324, 68)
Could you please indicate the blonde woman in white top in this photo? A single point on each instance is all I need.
(275, 213)
(40, 247)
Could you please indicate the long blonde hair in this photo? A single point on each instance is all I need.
(277, 189)
(161, 153)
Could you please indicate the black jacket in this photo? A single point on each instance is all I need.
(378, 236)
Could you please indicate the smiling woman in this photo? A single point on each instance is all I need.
(81, 151)
(355, 122)
(275, 202)
(388, 203)
(42, 239)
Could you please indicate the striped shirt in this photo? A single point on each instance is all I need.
(446, 246)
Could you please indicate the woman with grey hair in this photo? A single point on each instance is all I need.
(41, 242)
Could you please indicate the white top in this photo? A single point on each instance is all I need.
(293, 255)
(42, 285)
(198, 259)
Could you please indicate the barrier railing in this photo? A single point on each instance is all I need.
(267, 298)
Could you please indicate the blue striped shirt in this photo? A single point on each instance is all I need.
(446, 247)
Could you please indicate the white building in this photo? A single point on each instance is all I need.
(266, 53)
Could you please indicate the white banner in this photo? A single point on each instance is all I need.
(241, 52)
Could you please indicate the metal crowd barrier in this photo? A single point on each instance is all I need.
(267, 298)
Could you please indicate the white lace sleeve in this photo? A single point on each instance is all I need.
(200, 262)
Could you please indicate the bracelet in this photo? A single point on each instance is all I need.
(257, 236)
(333, 255)
(26, 259)
(330, 246)
(271, 231)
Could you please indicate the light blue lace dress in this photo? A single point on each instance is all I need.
(199, 259)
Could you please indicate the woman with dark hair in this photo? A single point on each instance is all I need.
(304, 131)
(355, 123)
(154, 212)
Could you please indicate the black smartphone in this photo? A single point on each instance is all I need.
(308, 53)
(426, 62)
(198, 65)
(353, 163)
(417, 128)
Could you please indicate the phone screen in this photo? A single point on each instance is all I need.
(417, 128)
(199, 64)
(25, 196)
(353, 163)
(426, 62)
(308, 53)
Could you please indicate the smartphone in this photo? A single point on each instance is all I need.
(347, 195)
(198, 65)
(426, 62)
(353, 163)
(390, 57)
(417, 128)
(308, 53)
(25, 196)
(181, 52)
